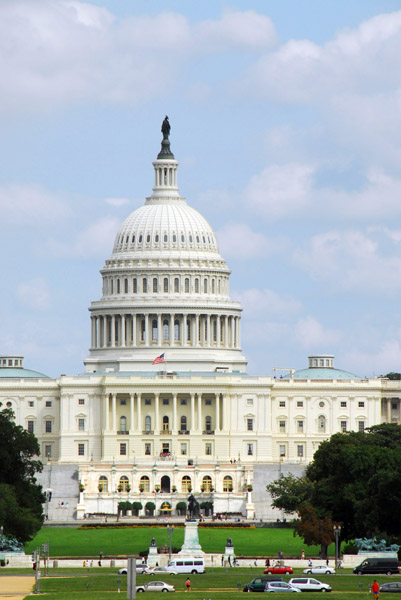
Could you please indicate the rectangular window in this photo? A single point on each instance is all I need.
(249, 401)
(249, 424)
(208, 402)
(300, 451)
(166, 401)
(81, 401)
(394, 405)
(208, 449)
(300, 426)
(361, 426)
(183, 449)
(183, 401)
(343, 426)
(361, 404)
(249, 448)
(123, 449)
(148, 401)
(300, 404)
(31, 403)
(48, 451)
(282, 403)
(282, 426)
(48, 426)
(81, 449)
(282, 450)
(48, 403)
(81, 424)
(123, 402)
(148, 448)
(343, 405)
(30, 426)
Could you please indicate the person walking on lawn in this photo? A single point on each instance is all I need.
(188, 585)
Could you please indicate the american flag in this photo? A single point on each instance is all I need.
(158, 360)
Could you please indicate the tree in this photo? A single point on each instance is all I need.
(393, 376)
(290, 492)
(314, 530)
(21, 498)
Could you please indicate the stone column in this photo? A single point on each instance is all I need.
(123, 331)
(218, 332)
(171, 330)
(174, 428)
(192, 412)
(159, 330)
(113, 331)
(114, 411)
(184, 330)
(139, 412)
(132, 412)
(106, 423)
(217, 401)
(196, 332)
(200, 412)
(209, 337)
(157, 416)
(226, 331)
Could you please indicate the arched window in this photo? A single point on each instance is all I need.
(215, 330)
(148, 238)
(165, 423)
(123, 484)
(143, 330)
(213, 286)
(176, 285)
(155, 285)
(206, 484)
(183, 423)
(186, 485)
(165, 330)
(188, 330)
(321, 424)
(126, 286)
(165, 238)
(165, 285)
(208, 423)
(144, 484)
(112, 287)
(103, 484)
(145, 285)
(123, 423)
(118, 286)
(196, 286)
(176, 331)
(154, 330)
(205, 286)
(187, 285)
(227, 484)
(135, 286)
(148, 423)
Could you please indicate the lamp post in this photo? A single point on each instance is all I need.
(170, 529)
(337, 531)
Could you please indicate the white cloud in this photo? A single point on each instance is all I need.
(311, 334)
(387, 358)
(94, 242)
(26, 204)
(239, 241)
(265, 303)
(280, 190)
(116, 201)
(246, 29)
(34, 294)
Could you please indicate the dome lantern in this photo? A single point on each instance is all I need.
(165, 166)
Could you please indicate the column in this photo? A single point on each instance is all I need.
(226, 331)
(146, 318)
(139, 412)
(113, 331)
(232, 332)
(106, 423)
(174, 428)
(104, 327)
(114, 411)
(157, 417)
(92, 331)
(388, 411)
(200, 412)
(192, 412)
(159, 330)
(218, 332)
(133, 330)
(225, 413)
(172, 330)
(123, 331)
(209, 337)
(217, 401)
(183, 336)
(132, 415)
(238, 332)
(196, 332)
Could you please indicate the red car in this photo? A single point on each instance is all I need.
(279, 570)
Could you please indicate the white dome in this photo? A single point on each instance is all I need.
(166, 227)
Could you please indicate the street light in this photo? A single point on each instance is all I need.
(337, 531)
(170, 529)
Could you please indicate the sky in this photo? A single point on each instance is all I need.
(285, 119)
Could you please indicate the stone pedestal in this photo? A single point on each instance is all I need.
(153, 556)
(191, 545)
(229, 555)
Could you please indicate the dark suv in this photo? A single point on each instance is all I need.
(258, 584)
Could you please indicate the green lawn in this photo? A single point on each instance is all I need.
(87, 543)
(216, 584)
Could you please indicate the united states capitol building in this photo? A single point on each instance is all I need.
(128, 429)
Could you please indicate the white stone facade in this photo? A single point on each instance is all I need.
(142, 432)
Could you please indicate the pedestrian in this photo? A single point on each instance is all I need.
(255, 563)
(375, 590)
(267, 563)
(188, 585)
(84, 564)
(99, 563)
(327, 561)
(310, 562)
(222, 560)
(303, 555)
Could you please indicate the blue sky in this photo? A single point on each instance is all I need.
(286, 123)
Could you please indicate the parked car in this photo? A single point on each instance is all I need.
(161, 571)
(258, 584)
(372, 566)
(279, 570)
(280, 586)
(155, 586)
(308, 584)
(141, 569)
(394, 587)
(319, 570)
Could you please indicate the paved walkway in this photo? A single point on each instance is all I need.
(15, 587)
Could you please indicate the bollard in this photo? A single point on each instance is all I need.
(239, 585)
(87, 587)
(360, 586)
(118, 585)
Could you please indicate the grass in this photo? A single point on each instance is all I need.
(216, 584)
(87, 543)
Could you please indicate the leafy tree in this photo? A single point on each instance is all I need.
(393, 376)
(314, 530)
(21, 498)
(290, 492)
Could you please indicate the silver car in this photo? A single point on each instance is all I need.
(280, 586)
(155, 586)
(319, 570)
(308, 584)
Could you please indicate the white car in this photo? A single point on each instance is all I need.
(319, 570)
(155, 586)
(141, 569)
(308, 584)
(161, 571)
(280, 586)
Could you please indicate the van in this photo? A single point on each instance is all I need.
(187, 564)
(377, 566)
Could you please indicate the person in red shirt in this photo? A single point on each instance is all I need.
(375, 589)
